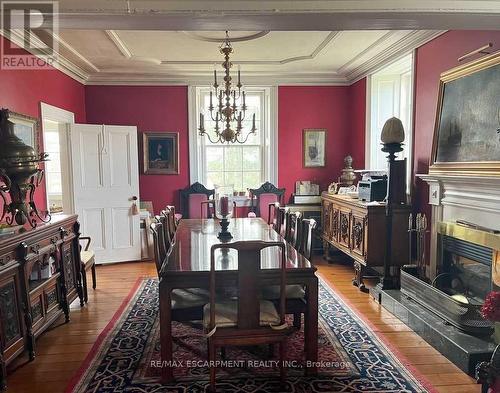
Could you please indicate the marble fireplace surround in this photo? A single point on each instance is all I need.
(461, 197)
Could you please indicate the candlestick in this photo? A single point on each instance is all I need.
(243, 99)
(215, 77)
(239, 83)
(253, 122)
(211, 99)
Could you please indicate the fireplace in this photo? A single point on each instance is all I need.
(466, 256)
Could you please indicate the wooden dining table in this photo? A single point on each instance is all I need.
(188, 266)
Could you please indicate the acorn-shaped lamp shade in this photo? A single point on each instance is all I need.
(393, 131)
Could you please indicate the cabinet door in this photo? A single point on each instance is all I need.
(326, 219)
(358, 233)
(345, 228)
(69, 269)
(10, 315)
(335, 224)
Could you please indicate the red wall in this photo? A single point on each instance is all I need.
(302, 107)
(22, 91)
(150, 108)
(357, 123)
(433, 58)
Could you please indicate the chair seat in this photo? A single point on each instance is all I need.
(226, 314)
(87, 256)
(292, 292)
(189, 298)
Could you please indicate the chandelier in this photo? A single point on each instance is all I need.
(227, 115)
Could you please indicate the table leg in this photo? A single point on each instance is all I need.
(311, 325)
(166, 332)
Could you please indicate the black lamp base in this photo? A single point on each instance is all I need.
(224, 234)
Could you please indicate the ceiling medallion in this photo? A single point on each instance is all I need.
(229, 116)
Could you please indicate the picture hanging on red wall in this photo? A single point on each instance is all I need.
(161, 153)
(314, 142)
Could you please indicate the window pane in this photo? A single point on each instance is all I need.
(251, 180)
(234, 179)
(215, 178)
(54, 183)
(233, 158)
(51, 140)
(215, 158)
(251, 158)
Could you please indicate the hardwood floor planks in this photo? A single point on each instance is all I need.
(61, 350)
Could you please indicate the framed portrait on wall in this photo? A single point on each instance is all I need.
(161, 153)
(467, 130)
(25, 128)
(313, 145)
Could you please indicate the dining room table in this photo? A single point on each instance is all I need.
(188, 266)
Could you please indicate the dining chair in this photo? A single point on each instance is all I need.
(192, 198)
(308, 225)
(292, 228)
(261, 197)
(247, 320)
(273, 213)
(186, 304)
(87, 258)
(279, 222)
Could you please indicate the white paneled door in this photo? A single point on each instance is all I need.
(105, 183)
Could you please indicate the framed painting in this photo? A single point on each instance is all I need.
(313, 145)
(161, 153)
(467, 130)
(26, 129)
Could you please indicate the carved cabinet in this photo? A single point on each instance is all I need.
(39, 278)
(358, 229)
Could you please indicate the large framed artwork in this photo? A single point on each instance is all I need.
(161, 153)
(26, 129)
(467, 130)
(314, 142)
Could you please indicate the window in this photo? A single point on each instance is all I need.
(390, 94)
(53, 166)
(241, 166)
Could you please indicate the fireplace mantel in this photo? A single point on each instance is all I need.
(457, 197)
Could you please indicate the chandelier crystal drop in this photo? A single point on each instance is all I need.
(228, 116)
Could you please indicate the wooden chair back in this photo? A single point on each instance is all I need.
(279, 223)
(249, 286)
(306, 237)
(273, 214)
(159, 244)
(264, 195)
(171, 223)
(292, 228)
(191, 199)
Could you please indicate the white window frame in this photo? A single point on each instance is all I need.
(62, 116)
(372, 145)
(270, 119)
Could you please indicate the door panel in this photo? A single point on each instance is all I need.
(106, 178)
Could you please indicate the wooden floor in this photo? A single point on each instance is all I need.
(61, 350)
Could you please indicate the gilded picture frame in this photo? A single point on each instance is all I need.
(314, 147)
(467, 127)
(26, 128)
(160, 153)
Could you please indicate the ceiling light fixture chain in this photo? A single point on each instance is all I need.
(230, 115)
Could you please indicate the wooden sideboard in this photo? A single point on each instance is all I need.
(358, 229)
(39, 278)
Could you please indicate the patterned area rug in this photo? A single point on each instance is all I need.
(126, 357)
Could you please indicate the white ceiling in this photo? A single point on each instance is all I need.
(180, 57)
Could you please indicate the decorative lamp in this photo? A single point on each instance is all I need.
(19, 176)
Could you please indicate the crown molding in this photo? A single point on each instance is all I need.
(251, 79)
(61, 63)
(410, 42)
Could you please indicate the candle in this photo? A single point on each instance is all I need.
(253, 122)
(224, 206)
(211, 98)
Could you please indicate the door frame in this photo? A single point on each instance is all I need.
(59, 115)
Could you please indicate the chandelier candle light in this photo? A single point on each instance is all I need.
(228, 116)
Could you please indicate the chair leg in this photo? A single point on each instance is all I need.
(93, 276)
(297, 320)
(84, 285)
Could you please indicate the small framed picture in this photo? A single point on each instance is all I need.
(25, 128)
(161, 153)
(314, 142)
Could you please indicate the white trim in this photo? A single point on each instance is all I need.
(273, 135)
(58, 115)
(368, 121)
(194, 173)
